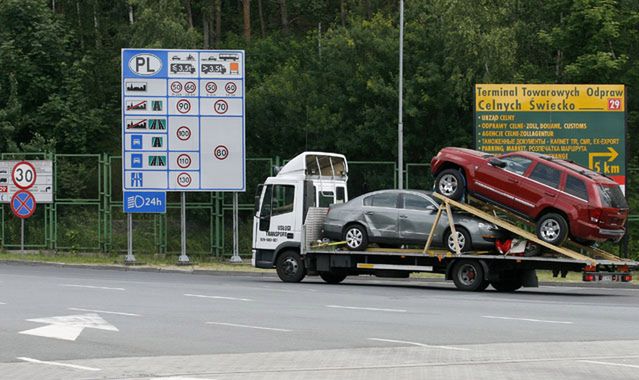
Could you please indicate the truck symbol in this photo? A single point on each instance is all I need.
(136, 86)
(213, 68)
(182, 68)
(211, 58)
(229, 57)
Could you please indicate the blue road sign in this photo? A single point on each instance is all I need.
(23, 204)
(136, 179)
(136, 161)
(136, 141)
(145, 202)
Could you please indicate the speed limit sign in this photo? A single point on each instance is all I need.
(23, 175)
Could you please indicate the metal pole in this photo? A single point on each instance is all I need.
(130, 258)
(400, 125)
(184, 259)
(236, 232)
(21, 235)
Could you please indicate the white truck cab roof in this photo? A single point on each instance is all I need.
(319, 165)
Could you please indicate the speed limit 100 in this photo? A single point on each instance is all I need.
(23, 175)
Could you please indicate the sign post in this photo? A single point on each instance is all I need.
(236, 249)
(183, 123)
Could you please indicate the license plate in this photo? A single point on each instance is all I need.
(605, 278)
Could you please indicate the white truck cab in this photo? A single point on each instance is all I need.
(311, 179)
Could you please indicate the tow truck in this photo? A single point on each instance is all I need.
(287, 235)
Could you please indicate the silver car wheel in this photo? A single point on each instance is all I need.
(354, 238)
(461, 239)
(448, 185)
(550, 229)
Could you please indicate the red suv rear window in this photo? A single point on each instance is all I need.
(611, 196)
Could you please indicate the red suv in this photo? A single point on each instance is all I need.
(562, 197)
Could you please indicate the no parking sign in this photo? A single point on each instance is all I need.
(23, 204)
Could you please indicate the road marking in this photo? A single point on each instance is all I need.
(91, 287)
(365, 308)
(217, 297)
(247, 326)
(105, 312)
(30, 360)
(607, 363)
(420, 344)
(180, 378)
(2, 303)
(68, 327)
(527, 319)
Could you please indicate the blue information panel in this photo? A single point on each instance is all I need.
(183, 120)
(145, 202)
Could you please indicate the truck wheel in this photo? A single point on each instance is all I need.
(507, 286)
(355, 237)
(450, 183)
(290, 267)
(552, 228)
(463, 238)
(332, 277)
(469, 275)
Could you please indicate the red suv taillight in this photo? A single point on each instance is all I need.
(595, 214)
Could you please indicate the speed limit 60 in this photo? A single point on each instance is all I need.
(23, 175)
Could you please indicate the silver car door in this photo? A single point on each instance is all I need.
(380, 214)
(416, 218)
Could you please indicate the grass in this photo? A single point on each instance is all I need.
(142, 261)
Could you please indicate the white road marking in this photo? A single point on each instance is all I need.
(527, 319)
(365, 308)
(30, 360)
(420, 344)
(68, 327)
(91, 287)
(180, 378)
(217, 297)
(105, 312)
(2, 303)
(247, 326)
(607, 363)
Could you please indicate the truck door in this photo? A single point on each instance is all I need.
(277, 221)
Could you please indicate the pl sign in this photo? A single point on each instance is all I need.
(584, 123)
(183, 120)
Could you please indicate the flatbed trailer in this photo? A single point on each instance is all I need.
(471, 271)
(287, 235)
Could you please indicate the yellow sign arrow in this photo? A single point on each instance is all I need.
(612, 154)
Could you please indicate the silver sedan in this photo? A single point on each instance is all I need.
(404, 217)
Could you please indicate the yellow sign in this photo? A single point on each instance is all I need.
(549, 98)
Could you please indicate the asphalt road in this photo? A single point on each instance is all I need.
(65, 323)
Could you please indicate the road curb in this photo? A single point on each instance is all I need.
(266, 274)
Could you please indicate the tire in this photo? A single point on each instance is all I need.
(463, 238)
(507, 286)
(290, 267)
(355, 237)
(552, 228)
(451, 183)
(468, 275)
(332, 277)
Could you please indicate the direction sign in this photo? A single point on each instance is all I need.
(23, 204)
(37, 176)
(176, 105)
(23, 175)
(584, 123)
(145, 202)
